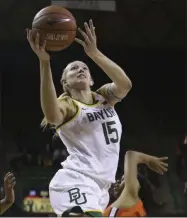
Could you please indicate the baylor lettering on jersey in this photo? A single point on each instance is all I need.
(76, 196)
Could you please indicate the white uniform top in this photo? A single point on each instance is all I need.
(92, 139)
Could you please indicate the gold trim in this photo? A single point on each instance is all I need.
(87, 211)
(88, 105)
(73, 118)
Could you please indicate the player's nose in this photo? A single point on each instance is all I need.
(80, 70)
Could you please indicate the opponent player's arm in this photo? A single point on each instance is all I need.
(4, 205)
(9, 183)
(132, 159)
(121, 84)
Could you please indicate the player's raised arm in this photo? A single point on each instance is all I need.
(53, 113)
(132, 159)
(9, 183)
(121, 85)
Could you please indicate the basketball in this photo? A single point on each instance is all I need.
(56, 25)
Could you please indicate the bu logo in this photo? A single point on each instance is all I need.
(76, 196)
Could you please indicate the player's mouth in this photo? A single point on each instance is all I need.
(81, 75)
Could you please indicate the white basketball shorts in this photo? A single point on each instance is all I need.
(70, 188)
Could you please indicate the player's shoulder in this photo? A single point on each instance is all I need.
(66, 102)
(99, 97)
(107, 93)
(66, 99)
(102, 90)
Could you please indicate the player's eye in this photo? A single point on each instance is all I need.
(85, 68)
(74, 68)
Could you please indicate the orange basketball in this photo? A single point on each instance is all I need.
(55, 24)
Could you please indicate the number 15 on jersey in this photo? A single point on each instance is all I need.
(110, 132)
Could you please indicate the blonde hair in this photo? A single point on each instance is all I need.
(63, 81)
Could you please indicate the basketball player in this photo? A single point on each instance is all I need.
(126, 190)
(9, 183)
(87, 124)
(128, 202)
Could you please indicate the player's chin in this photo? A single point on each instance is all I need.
(82, 84)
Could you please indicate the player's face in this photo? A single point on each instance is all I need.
(78, 76)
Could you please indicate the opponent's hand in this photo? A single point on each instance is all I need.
(36, 47)
(90, 40)
(158, 164)
(9, 183)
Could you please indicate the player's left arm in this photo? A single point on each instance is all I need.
(9, 183)
(121, 84)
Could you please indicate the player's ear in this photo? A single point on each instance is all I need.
(64, 85)
(62, 82)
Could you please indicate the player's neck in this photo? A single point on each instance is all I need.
(84, 96)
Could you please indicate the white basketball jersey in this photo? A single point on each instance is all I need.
(92, 139)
